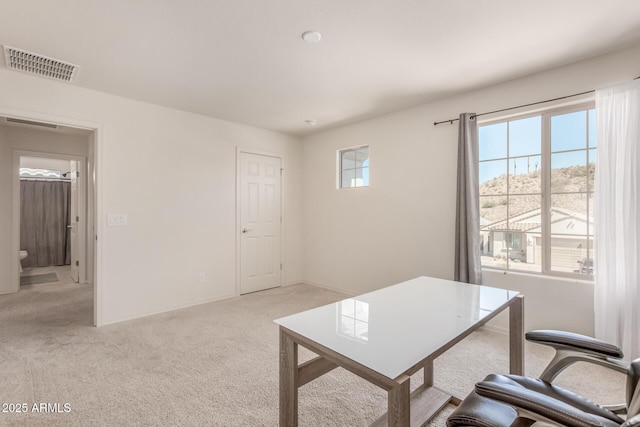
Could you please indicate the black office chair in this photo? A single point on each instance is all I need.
(516, 401)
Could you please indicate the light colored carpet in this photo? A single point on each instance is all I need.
(211, 365)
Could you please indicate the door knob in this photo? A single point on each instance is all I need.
(246, 230)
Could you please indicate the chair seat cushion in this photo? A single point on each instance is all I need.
(478, 411)
(558, 393)
(493, 403)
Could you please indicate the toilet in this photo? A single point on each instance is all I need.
(23, 255)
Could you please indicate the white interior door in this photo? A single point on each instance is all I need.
(260, 222)
(75, 271)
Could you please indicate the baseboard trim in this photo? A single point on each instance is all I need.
(167, 310)
(331, 288)
(295, 282)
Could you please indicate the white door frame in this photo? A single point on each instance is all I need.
(83, 212)
(239, 220)
(96, 222)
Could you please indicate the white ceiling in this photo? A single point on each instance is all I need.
(244, 60)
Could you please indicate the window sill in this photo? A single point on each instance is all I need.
(563, 278)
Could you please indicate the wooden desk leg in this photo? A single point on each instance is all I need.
(288, 381)
(516, 335)
(399, 403)
(428, 373)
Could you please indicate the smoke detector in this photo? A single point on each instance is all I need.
(311, 36)
(33, 63)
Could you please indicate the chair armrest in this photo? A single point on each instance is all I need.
(571, 348)
(538, 406)
(632, 422)
(574, 341)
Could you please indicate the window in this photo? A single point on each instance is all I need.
(353, 167)
(353, 319)
(39, 173)
(536, 192)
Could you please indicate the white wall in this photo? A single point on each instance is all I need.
(551, 303)
(18, 138)
(173, 174)
(403, 224)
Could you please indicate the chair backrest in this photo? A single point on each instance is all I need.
(633, 389)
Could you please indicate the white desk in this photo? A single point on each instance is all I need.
(387, 335)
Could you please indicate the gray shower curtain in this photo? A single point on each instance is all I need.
(44, 216)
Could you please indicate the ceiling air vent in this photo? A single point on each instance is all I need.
(30, 122)
(33, 63)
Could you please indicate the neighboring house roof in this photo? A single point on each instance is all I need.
(530, 220)
(572, 214)
(518, 222)
(516, 226)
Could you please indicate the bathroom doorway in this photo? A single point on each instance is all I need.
(68, 156)
(52, 219)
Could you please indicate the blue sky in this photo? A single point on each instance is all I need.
(365, 172)
(568, 132)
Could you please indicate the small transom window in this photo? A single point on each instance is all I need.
(353, 167)
(39, 173)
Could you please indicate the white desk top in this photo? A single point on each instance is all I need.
(392, 329)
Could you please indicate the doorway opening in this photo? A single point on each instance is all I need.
(53, 217)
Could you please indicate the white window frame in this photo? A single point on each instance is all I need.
(545, 206)
(339, 167)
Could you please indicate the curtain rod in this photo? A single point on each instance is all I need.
(450, 121)
(42, 178)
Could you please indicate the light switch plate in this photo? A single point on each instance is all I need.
(116, 220)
